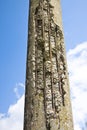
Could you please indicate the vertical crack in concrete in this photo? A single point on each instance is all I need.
(49, 62)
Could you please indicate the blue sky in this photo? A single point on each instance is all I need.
(13, 44)
(13, 48)
(74, 21)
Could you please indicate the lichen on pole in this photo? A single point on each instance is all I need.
(47, 94)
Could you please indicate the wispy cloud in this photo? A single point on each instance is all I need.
(18, 87)
(77, 64)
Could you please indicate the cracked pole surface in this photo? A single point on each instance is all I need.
(47, 94)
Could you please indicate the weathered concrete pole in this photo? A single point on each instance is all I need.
(47, 98)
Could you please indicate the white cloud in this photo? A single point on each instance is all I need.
(13, 119)
(77, 63)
